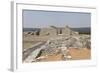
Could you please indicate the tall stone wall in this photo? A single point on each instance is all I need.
(48, 32)
(66, 31)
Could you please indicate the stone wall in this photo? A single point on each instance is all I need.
(48, 32)
(54, 31)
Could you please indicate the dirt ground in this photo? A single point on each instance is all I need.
(76, 54)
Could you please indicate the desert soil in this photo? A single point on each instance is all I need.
(76, 54)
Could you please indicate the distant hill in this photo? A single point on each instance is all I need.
(30, 29)
(82, 30)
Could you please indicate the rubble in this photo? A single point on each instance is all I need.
(62, 45)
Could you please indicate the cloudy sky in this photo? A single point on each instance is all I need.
(35, 19)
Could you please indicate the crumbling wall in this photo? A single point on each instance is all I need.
(48, 32)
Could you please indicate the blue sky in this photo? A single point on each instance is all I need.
(40, 19)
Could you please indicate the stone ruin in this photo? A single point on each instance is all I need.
(78, 42)
(69, 39)
(63, 44)
(53, 31)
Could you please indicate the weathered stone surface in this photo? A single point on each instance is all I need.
(55, 31)
(59, 42)
(56, 45)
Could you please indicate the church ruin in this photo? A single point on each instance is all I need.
(54, 31)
